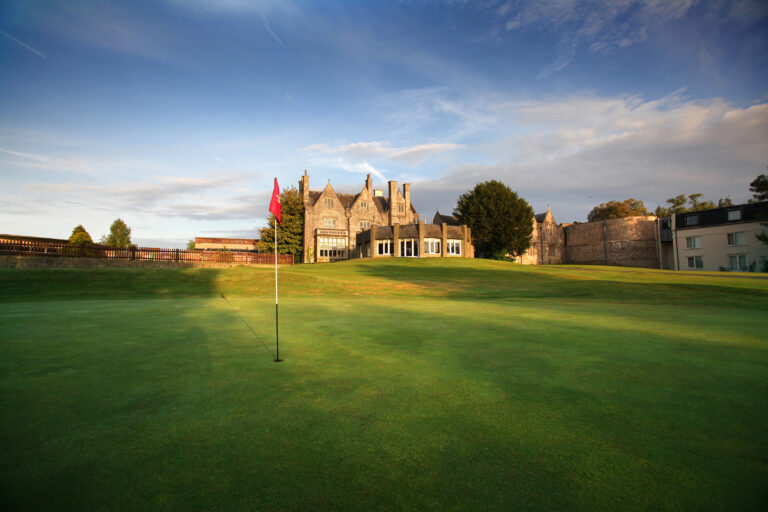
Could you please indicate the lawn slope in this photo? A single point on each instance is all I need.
(407, 384)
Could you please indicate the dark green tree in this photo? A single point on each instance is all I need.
(759, 188)
(724, 201)
(683, 203)
(501, 221)
(617, 210)
(119, 235)
(191, 245)
(80, 236)
(290, 233)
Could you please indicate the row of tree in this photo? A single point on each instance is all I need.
(119, 236)
(678, 204)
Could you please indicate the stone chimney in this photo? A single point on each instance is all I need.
(304, 187)
(392, 206)
(369, 184)
(392, 192)
(407, 197)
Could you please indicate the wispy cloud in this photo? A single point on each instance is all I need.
(269, 29)
(598, 25)
(22, 43)
(47, 163)
(361, 151)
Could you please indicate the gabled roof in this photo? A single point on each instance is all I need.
(346, 200)
(448, 219)
(381, 203)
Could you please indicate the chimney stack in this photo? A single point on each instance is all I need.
(304, 187)
(369, 184)
(407, 197)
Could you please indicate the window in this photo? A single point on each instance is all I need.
(431, 246)
(552, 251)
(384, 247)
(329, 203)
(692, 220)
(738, 262)
(400, 208)
(365, 224)
(734, 214)
(695, 262)
(332, 248)
(693, 242)
(409, 247)
(737, 238)
(329, 223)
(454, 247)
(363, 205)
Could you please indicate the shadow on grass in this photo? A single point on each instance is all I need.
(113, 283)
(510, 281)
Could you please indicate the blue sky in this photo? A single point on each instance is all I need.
(176, 115)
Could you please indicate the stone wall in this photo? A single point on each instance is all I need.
(63, 262)
(627, 242)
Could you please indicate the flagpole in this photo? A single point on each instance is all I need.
(277, 329)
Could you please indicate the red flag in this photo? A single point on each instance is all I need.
(274, 205)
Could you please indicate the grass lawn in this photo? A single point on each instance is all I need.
(406, 385)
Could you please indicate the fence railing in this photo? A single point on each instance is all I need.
(52, 249)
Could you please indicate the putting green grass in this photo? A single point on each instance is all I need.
(406, 385)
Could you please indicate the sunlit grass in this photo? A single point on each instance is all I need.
(413, 385)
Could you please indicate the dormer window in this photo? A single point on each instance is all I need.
(692, 220)
(329, 203)
(734, 215)
(400, 208)
(363, 205)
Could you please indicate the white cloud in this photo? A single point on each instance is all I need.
(583, 150)
(361, 151)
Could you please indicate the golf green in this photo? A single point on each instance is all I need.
(406, 385)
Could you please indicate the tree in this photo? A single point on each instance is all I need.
(617, 209)
(501, 221)
(80, 236)
(191, 245)
(677, 204)
(290, 233)
(759, 188)
(723, 202)
(119, 235)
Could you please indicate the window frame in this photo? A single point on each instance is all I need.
(329, 223)
(693, 242)
(384, 245)
(432, 246)
(733, 239)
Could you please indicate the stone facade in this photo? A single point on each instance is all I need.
(547, 242)
(626, 242)
(332, 220)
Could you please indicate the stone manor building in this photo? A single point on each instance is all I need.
(341, 226)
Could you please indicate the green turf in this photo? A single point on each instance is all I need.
(406, 385)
